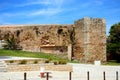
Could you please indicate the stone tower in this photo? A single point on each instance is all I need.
(90, 40)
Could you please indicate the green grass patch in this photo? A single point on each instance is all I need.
(19, 53)
(112, 63)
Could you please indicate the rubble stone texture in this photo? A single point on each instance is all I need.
(87, 36)
(90, 39)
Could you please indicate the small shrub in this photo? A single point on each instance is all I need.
(55, 62)
(50, 58)
(11, 61)
(47, 61)
(36, 61)
(62, 62)
(23, 62)
(75, 61)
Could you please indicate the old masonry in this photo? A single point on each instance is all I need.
(85, 40)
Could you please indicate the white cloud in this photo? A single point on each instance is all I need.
(39, 12)
(34, 2)
(57, 3)
(52, 7)
(49, 11)
(12, 14)
(45, 3)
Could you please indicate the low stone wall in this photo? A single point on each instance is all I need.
(36, 67)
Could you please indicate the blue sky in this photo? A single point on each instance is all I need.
(58, 11)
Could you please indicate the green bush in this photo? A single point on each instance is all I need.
(55, 62)
(47, 61)
(11, 61)
(62, 62)
(23, 62)
(50, 58)
(35, 62)
(113, 43)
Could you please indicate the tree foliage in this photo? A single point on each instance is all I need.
(12, 41)
(115, 33)
(113, 47)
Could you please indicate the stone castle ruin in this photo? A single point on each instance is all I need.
(85, 40)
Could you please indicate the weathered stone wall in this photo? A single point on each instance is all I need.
(97, 38)
(90, 36)
(87, 36)
(78, 48)
(37, 38)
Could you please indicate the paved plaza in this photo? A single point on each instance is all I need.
(79, 73)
